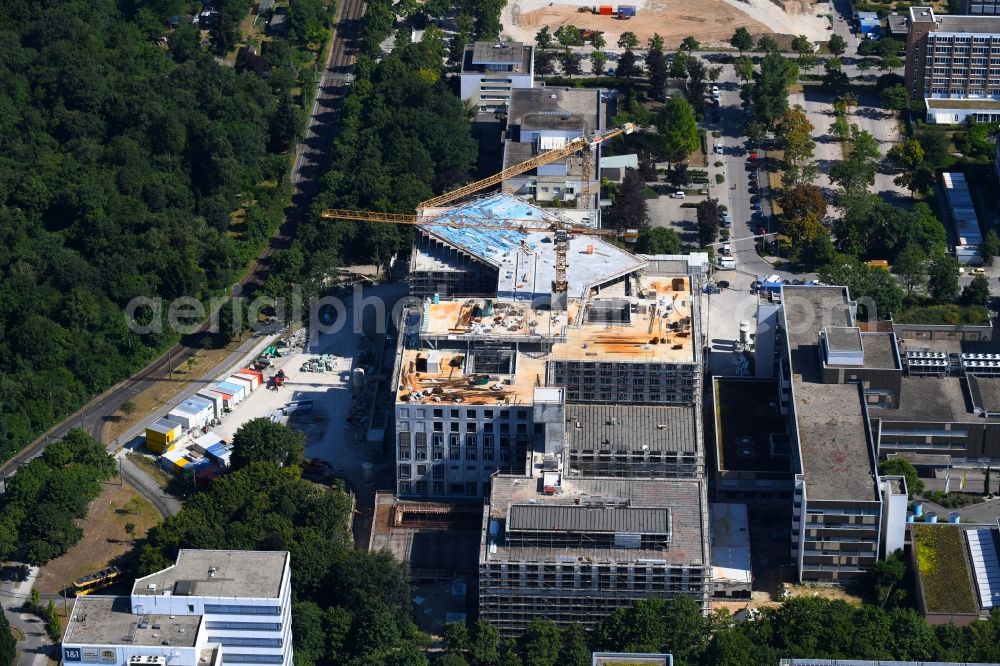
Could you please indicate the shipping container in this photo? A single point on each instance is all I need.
(206, 441)
(227, 398)
(626, 10)
(161, 435)
(242, 381)
(192, 413)
(605, 10)
(238, 391)
(253, 375)
(214, 398)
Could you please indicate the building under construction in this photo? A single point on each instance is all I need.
(483, 383)
(575, 553)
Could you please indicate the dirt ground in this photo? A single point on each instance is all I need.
(104, 537)
(711, 22)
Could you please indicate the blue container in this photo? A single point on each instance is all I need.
(909, 516)
(954, 518)
(626, 10)
(931, 517)
(918, 509)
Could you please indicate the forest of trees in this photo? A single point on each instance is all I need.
(121, 163)
(404, 136)
(42, 502)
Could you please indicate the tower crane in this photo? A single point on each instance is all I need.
(585, 144)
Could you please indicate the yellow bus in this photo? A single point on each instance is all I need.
(96, 581)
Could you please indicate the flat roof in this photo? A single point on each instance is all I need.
(451, 382)
(592, 519)
(254, 574)
(834, 446)
(843, 338)
(631, 427)
(554, 108)
(497, 52)
(946, 103)
(985, 393)
(631, 659)
(526, 259)
(683, 498)
(960, 206)
(880, 351)
(730, 534)
(105, 620)
(929, 399)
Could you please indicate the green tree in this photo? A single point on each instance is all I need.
(911, 267)
(656, 43)
(570, 63)
(127, 408)
(455, 637)
(574, 650)
(630, 209)
(943, 278)
(677, 129)
(543, 37)
(990, 247)
(689, 44)
(597, 41)
(802, 45)
(598, 61)
(767, 44)
(184, 43)
(627, 67)
(895, 97)
(731, 647)
(794, 133)
(628, 41)
(742, 40)
(262, 440)
(568, 35)
(886, 576)
(770, 90)
(908, 155)
(756, 132)
(865, 282)
(658, 240)
(8, 645)
(977, 292)
(451, 659)
(656, 65)
(709, 221)
(837, 45)
(541, 643)
(937, 150)
(857, 173)
(678, 66)
(485, 647)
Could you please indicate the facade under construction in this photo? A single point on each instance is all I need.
(576, 552)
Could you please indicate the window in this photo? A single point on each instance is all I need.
(421, 487)
(404, 488)
(454, 413)
(439, 413)
(404, 472)
(244, 626)
(470, 454)
(226, 609)
(470, 413)
(231, 658)
(439, 488)
(470, 489)
(234, 641)
(421, 470)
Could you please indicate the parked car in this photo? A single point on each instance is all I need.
(979, 271)
(726, 220)
(677, 195)
(723, 284)
(711, 288)
(719, 149)
(715, 91)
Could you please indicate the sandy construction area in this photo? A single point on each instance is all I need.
(711, 22)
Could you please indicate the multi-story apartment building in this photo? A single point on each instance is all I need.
(483, 382)
(953, 65)
(491, 70)
(573, 553)
(977, 7)
(212, 607)
(541, 119)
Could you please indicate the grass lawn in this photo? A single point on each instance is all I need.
(105, 540)
(944, 573)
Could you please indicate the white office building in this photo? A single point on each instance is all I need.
(212, 607)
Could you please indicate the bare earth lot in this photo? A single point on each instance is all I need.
(104, 536)
(711, 22)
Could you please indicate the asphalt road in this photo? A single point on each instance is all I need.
(311, 157)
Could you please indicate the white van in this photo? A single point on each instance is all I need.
(727, 263)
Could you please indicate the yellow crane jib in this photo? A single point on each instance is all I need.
(549, 156)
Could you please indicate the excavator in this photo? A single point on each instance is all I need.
(584, 144)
